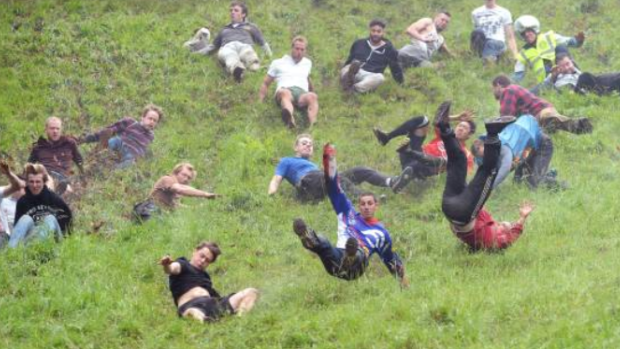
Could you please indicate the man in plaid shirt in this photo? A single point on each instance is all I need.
(515, 101)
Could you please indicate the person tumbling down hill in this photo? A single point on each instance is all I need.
(168, 190)
(463, 203)
(192, 289)
(360, 235)
(129, 137)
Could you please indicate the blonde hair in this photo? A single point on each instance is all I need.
(300, 39)
(303, 135)
(184, 165)
(52, 118)
(36, 169)
(155, 108)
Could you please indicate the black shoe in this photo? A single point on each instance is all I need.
(287, 118)
(495, 126)
(583, 126)
(349, 78)
(398, 183)
(382, 137)
(442, 117)
(238, 74)
(308, 237)
(350, 252)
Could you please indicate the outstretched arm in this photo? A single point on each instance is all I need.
(274, 184)
(337, 197)
(264, 88)
(509, 235)
(416, 29)
(170, 267)
(466, 115)
(15, 183)
(186, 190)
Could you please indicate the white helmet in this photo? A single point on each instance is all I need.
(527, 22)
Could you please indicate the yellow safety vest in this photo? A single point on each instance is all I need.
(533, 57)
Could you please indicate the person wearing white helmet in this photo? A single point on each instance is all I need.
(492, 31)
(538, 53)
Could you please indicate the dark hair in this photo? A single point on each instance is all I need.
(502, 80)
(560, 56)
(212, 246)
(445, 13)
(474, 148)
(472, 126)
(378, 22)
(367, 193)
(244, 7)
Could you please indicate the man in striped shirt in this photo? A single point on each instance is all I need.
(360, 235)
(129, 137)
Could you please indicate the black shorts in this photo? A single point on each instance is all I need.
(212, 308)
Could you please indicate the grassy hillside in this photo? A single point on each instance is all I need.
(92, 62)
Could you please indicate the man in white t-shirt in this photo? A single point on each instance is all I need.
(426, 40)
(292, 75)
(492, 31)
(8, 202)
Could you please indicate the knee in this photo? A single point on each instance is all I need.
(284, 95)
(251, 293)
(312, 97)
(25, 219)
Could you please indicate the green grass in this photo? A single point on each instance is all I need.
(92, 62)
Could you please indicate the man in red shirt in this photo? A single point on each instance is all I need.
(515, 100)
(430, 159)
(463, 203)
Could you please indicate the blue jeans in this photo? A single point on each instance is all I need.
(493, 49)
(26, 229)
(127, 158)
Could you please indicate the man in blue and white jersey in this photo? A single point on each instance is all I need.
(360, 235)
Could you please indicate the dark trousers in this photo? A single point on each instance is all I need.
(312, 185)
(600, 84)
(461, 201)
(333, 257)
(535, 168)
(311, 188)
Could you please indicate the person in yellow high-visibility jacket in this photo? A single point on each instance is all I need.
(538, 53)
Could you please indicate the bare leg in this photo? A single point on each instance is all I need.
(195, 314)
(243, 301)
(310, 100)
(286, 103)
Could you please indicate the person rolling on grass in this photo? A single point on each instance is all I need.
(463, 203)
(360, 235)
(428, 160)
(515, 100)
(129, 137)
(566, 75)
(309, 181)
(39, 212)
(235, 43)
(168, 190)
(57, 153)
(192, 289)
(292, 74)
(368, 58)
(426, 40)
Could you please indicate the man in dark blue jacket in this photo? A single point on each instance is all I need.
(368, 58)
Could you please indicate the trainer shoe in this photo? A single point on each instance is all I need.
(308, 238)
(442, 117)
(584, 126)
(495, 126)
(348, 80)
(238, 74)
(287, 118)
(382, 137)
(398, 183)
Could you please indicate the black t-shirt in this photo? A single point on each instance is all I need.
(188, 278)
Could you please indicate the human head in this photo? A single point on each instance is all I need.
(499, 84)
(53, 128)
(564, 63)
(151, 116)
(490, 3)
(464, 130)
(238, 11)
(184, 172)
(477, 150)
(304, 146)
(367, 205)
(298, 48)
(441, 21)
(377, 30)
(204, 254)
(529, 35)
(36, 177)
